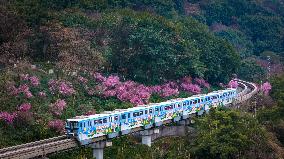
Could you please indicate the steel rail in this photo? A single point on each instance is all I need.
(32, 143)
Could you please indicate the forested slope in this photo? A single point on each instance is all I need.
(161, 48)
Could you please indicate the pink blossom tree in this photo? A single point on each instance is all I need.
(57, 125)
(233, 84)
(266, 88)
(25, 107)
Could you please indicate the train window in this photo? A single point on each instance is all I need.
(141, 112)
(157, 109)
(191, 102)
(95, 122)
(75, 125)
(161, 108)
(105, 120)
(80, 124)
(116, 118)
(128, 115)
(150, 111)
(100, 121)
(184, 104)
(135, 114)
(146, 111)
(89, 123)
(110, 119)
(70, 125)
(198, 100)
(166, 107)
(84, 124)
(123, 116)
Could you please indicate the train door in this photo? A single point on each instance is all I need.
(158, 115)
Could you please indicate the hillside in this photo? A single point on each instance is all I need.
(62, 58)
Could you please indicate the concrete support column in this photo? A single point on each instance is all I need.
(146, 140)
(98, 153)
(146, 136)
(98, 148)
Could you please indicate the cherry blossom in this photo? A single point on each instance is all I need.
(266, 88)
(42, 94)
(58, 107)
(193, 88)
(25, 107)
(233, 84)
(34, 80)
(57, 125)
(8, 117)
(111, 81)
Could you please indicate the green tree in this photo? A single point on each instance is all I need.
(149, 48)
(218, 56)
(251, 71)
(229, 134)
(152, 49)
(266, 32)
(239, 40)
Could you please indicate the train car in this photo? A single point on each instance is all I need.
(114, 123)
(141, 116)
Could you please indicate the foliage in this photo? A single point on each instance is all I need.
(14, 33)
(278, 88)
(165, 49)
(266, 88)
(239, 40)
(266, 32)
(229, 134)
(249, 70)
(156, 43)
(159, 52)
(273, 117)
(260, 21)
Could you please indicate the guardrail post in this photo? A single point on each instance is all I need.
(98, 148)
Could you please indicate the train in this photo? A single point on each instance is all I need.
(120, 121)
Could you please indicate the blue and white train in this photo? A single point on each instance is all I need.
(120, 122)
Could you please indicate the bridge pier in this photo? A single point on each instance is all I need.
(98, 148)
(147, 136)
(185, 122)
(146, 140)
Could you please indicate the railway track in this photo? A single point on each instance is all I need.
(38, 148)
(43, 147)
(249, 90)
